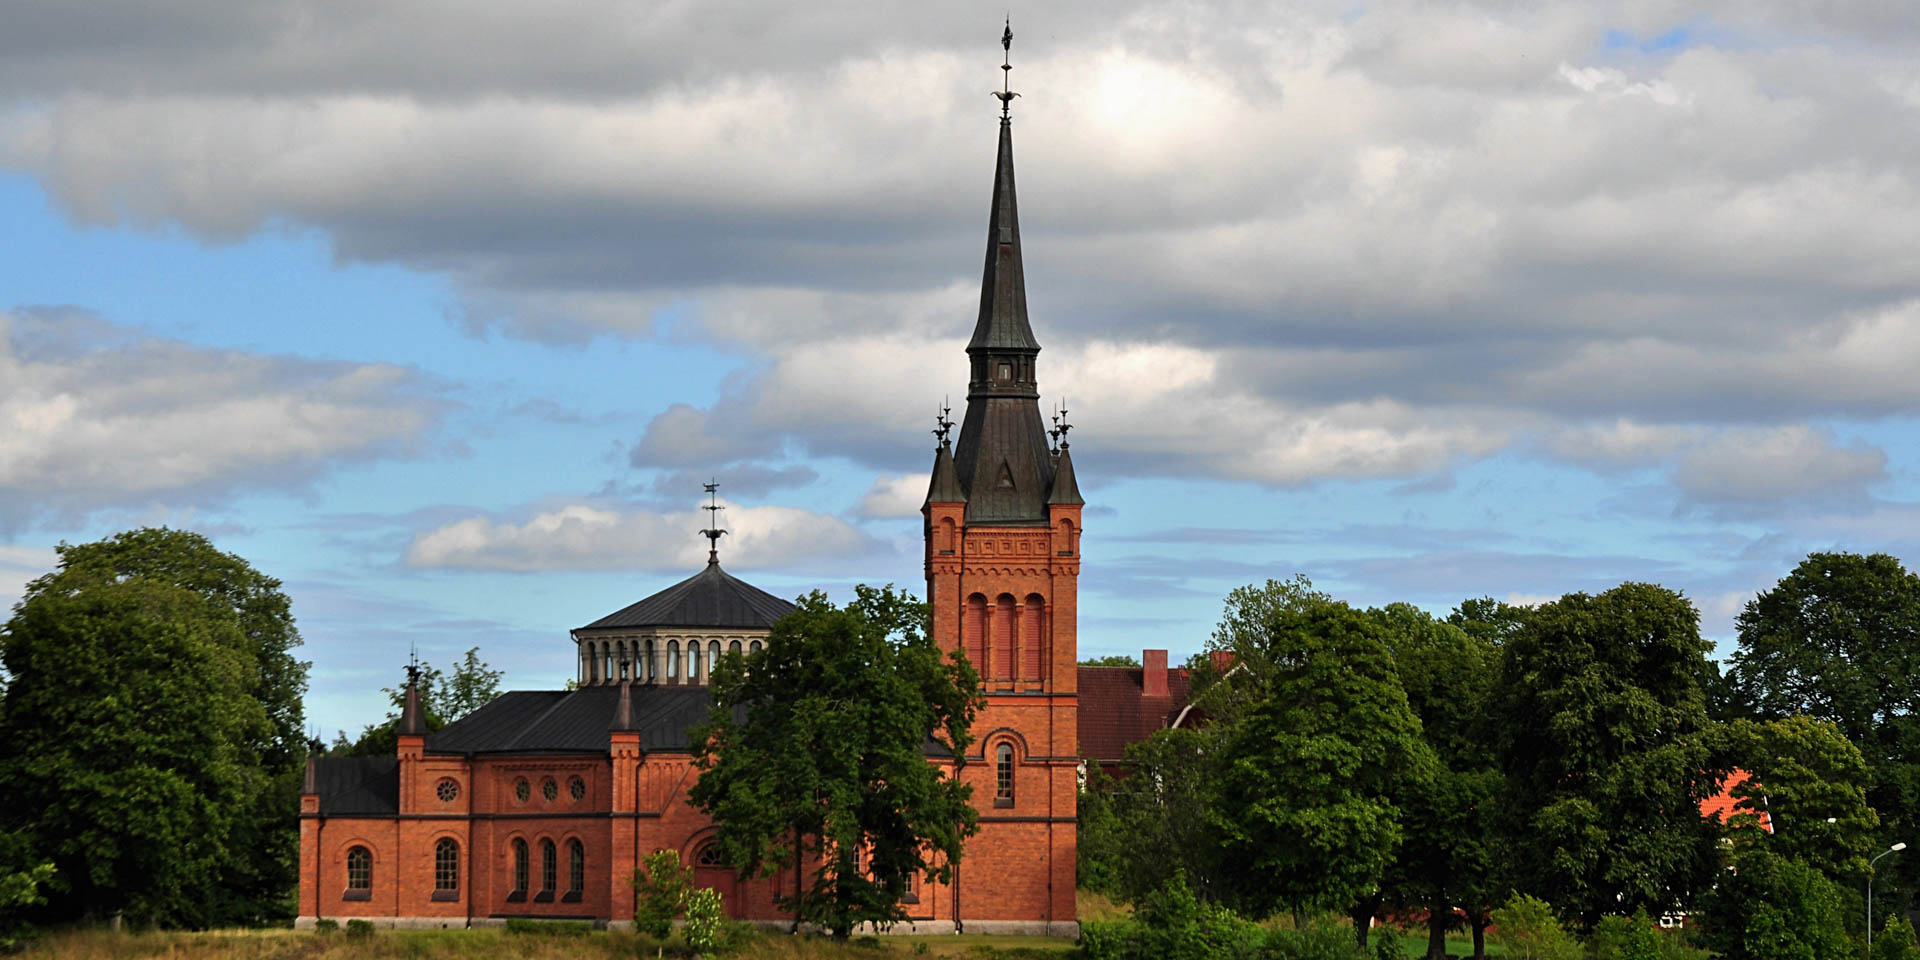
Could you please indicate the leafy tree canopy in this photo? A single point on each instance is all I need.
(1810, 784)
(1112, 660)
(130, 743)
(443, 700)
(1773, 908)
(1144, 827)
(1321, 736)
(819, 740)
(1601, 713)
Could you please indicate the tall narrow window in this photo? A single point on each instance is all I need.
(645, 673)
(548, 868)
(1003, 776)
(673, 659)
(974, 627)
(713, 655)
(1003, 612)
(755, 648)
(694, 672)
(1033, 638)
(519, 869)
(576, 869)
(446, 870)
(734, 648)
(359, 874)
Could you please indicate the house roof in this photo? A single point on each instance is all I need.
(357, 785)
(710, 598)
(1115, 711)
(1722, 806)
(569, 721)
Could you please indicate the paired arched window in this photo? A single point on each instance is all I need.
(1003, 775)
(446, 867)
(520, 867)
(359, 870)
(548, 868)
(576, 869)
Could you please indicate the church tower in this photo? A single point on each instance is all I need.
(1002, 561)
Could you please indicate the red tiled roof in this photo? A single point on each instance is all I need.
(1114, 713)
(1721, 806)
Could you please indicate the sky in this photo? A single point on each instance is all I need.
(441, 312)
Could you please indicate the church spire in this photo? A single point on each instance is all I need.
(1002, 460)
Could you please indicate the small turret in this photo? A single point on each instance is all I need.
(413, 717)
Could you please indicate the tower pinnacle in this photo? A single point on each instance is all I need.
(713, 533)
(1006, 93)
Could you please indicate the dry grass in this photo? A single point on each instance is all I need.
(500, 945)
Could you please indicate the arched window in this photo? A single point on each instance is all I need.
(673, 659)
(973, 629)
(645, 673)
(734, 648)
(754, 647)
(709, 856)
(606, 669)
(1033, 634)
(520, 866)
(359, 873)
(1003, 775)
(548, 868)
(446, 869)
(694, 672)
(1003, 611)
(576, 869)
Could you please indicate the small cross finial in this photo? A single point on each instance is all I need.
(713, 533)
(941, 424)
(1005, 93)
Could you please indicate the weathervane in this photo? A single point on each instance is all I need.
(1006, 93)
(713, 533)
(1060, 427)
(941, 423)
(413, 665)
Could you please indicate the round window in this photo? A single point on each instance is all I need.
(578, 788)
(549, 789)
(522, 790)
(447, 790)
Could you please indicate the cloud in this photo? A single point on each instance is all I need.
(591, 536)
(19, 564)
(1792, 463)
(1275, 249)
(98, 416)
(900, 495)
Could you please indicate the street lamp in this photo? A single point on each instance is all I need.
(1896, 848)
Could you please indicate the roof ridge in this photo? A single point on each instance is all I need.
(544, 714)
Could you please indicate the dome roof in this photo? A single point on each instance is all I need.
(710, 598)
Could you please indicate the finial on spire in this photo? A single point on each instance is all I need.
(1006, 93)
(1061, 426)
(713, 533)
(941, 424)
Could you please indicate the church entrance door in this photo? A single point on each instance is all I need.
(710, 873)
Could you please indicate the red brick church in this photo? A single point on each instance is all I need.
(542, 803)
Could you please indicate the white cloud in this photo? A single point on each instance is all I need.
(900, 495)
(588, 536)
(94, 416)
(1791, 463)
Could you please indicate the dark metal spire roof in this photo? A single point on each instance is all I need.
(1002, 461)
(945, 487)
(413, 720)
(710, 598)
(1065, 490)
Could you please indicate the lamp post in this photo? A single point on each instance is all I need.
(1896, 848)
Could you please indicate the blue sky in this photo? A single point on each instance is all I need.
(443, 326)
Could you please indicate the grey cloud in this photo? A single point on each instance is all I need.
(107, 418)
(1765, 467)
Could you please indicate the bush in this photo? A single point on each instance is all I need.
(661, 887)
(1773, 908)
(1627, 938)
(1172, 924)
(1895, 941)
(552, 928)
(1527, 930)
(326, 925)
(705, 922)
(359, 928)
(1316, 940)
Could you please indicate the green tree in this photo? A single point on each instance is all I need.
(1144, 827)
(1895, 941)
(260, 879)
(129, 744)
(443, 700)
(1601, 714)
(1303, 803)
(1446, 859)
(1838, 639)
(1527, 930)
(661, 886)
(1810, 785)
(1773, 908)
(819, 741)
(1111, 660)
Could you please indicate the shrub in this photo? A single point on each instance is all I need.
(1627, 938)
(1773, 908)
(326, 925)
(705, 922)
(1895, 941)
(660, 890)
(1527, 929)
(1385, 940)
(359, 928)
(1315, 940)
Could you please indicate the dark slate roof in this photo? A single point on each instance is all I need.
(1114, 710)
(945, 485)
(1003, 285)
(1065, 490)
(357, 785)
(567, 721)
(710, 598)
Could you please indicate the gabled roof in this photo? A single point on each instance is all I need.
(569, 721)
(1115, 710)
(710, 598)
(357, 785)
